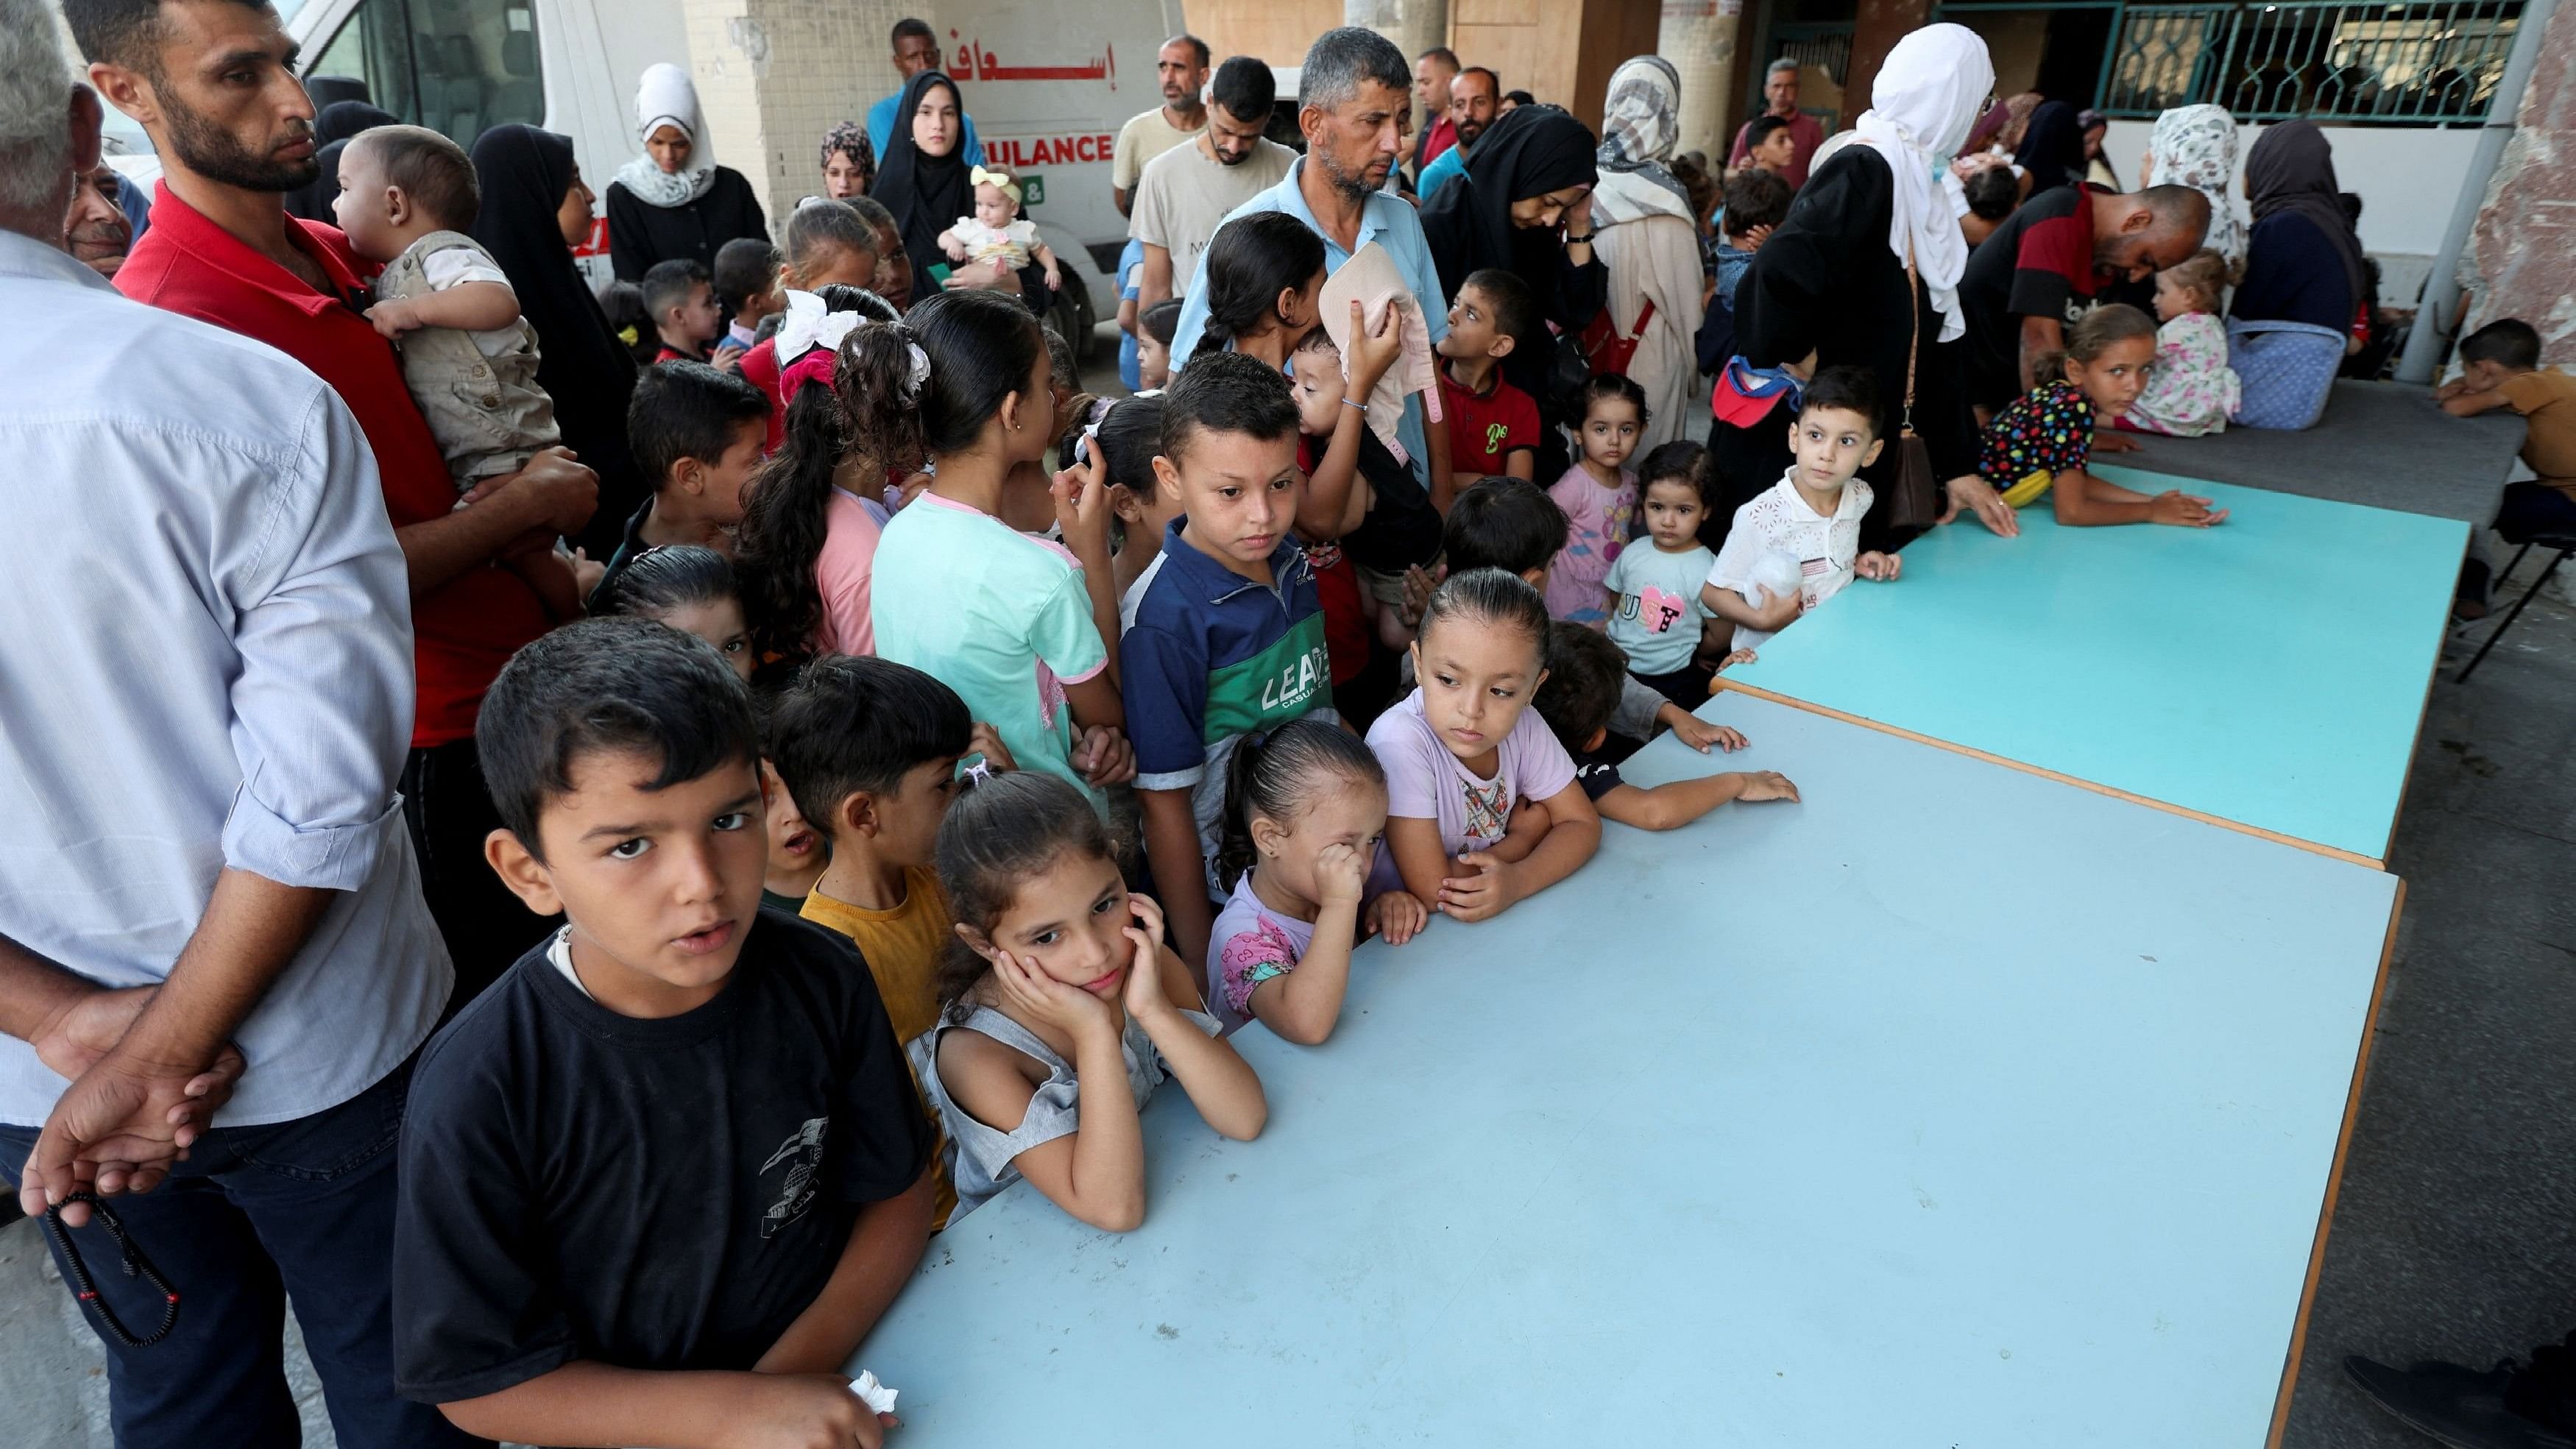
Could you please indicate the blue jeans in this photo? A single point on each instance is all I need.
(302, 1208)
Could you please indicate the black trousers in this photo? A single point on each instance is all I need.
(450, 812)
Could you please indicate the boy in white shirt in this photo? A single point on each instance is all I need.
(1797, 543)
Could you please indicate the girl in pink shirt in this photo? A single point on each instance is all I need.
(1599, 498)
(808, 544)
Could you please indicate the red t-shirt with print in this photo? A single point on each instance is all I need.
(1484, 428)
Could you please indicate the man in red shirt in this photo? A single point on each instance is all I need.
(1780, 98)
(213, 85)
(1432, 72)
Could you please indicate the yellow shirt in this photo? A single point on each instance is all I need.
(902, 947)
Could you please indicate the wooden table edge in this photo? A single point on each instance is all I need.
(2098, 788)
(2334, 1179)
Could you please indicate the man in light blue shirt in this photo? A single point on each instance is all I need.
(1352, 90)
(212, 935)
(915, 50)
(1471, 111)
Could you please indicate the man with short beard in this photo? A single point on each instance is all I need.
(2047, 262)
(210, 80)
(1473, 105)
(1182, 66)
(1188, 191)
(1353, 93)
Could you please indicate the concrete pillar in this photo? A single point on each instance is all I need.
(2522, 252)
(1876, 27)
(774, 75)
(1414, 25)
(1699, 37)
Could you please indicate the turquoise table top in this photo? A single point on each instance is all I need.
(2269, 672)
(1852, 1122)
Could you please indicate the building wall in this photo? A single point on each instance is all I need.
(2521, 257)
(1277, 31)
(774, 75)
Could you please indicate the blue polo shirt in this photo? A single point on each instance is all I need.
(1212, 657)
(1385, 218)
(1449, 163)
(881, 130)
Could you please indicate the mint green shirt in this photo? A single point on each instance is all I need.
(997, 615)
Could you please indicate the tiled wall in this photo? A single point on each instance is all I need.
(774, 75)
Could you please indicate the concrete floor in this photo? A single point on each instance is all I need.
(2450, 1233)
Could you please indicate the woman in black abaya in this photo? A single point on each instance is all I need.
(1525, 206)
(534, 208)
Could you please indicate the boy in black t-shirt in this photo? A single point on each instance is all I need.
(665, 1174)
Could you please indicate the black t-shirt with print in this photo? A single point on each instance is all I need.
(1596, 775)
(650, 1194)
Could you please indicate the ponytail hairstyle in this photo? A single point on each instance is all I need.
(926, 385)
(1001, 831)
(1281, 773)
(1493, 599)
(2096, 333)
(670, 577)
(1128, 436)
(1253, 259)
(782, 528)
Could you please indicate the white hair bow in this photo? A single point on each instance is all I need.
(810, 324)
(920, 372)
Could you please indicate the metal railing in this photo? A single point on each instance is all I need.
(2421, 62)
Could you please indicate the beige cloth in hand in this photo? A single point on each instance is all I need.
(1370, 276)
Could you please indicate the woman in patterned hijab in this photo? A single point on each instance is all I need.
(849, 161)
(2195, 146)
(1640, 126)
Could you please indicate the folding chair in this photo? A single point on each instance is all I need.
(2565, 544)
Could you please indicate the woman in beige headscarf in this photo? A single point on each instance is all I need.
(1651, 248)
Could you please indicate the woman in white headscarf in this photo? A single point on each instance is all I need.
(2195, 146)
(674, 200)
(1830, 287)
(1650, 248)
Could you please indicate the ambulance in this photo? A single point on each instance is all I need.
(1048, 85)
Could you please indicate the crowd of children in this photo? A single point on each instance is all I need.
(950, 759)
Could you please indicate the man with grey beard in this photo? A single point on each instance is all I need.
(1354, 93)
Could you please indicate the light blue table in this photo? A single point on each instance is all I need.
(1856, 1122)
(2269, 673)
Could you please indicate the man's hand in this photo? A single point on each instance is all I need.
(118, 1128)
(558, 491)
(1973, 493)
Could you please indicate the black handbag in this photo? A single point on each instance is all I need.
(1914, 491)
